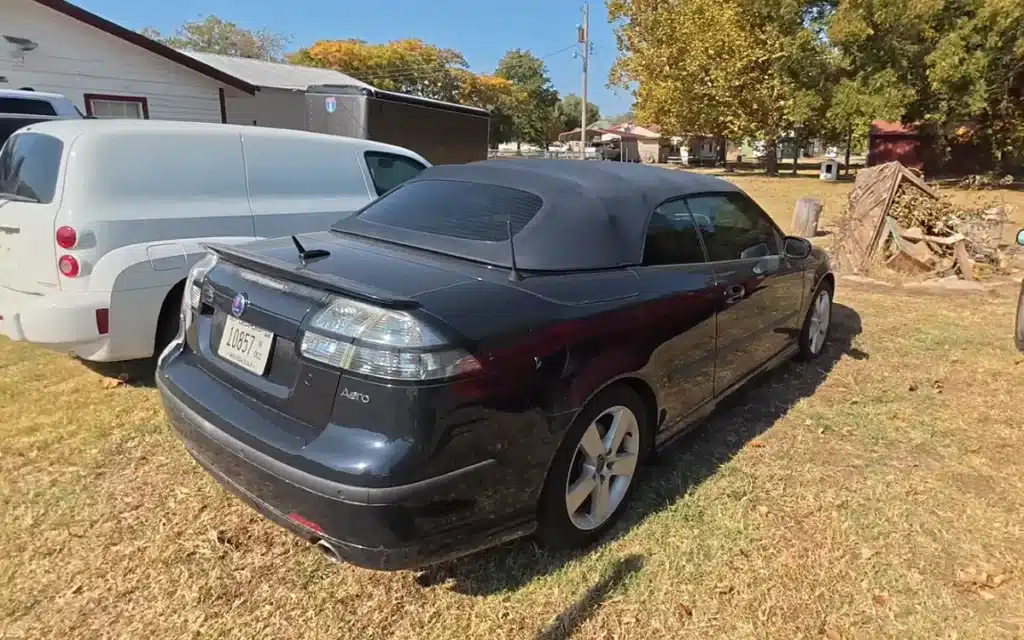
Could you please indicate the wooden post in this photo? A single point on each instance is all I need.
(963, 260)
(805, 217)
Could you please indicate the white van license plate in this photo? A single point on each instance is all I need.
(245, 345)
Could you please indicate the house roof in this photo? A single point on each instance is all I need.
(888, 128)
(274, 75)
(629, 131)
(77, 13)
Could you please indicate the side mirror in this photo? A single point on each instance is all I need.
(1020, 237)
(797, 248)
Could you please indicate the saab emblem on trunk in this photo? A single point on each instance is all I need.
(239, 304)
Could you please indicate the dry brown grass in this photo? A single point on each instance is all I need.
(875, 493)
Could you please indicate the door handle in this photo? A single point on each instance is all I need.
(734, 294)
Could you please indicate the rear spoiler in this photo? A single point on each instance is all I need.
(297, 273)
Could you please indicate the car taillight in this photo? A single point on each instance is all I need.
(67, 237)
(382, 343)
(68, 266)
(192, 296)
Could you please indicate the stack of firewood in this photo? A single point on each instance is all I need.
(927, 235)
(896, 221)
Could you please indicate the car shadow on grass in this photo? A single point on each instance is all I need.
(135, 373)
(688, 462)
(565, 624)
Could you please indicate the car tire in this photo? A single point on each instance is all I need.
(814, 336)
(598, 471)
(170, 320)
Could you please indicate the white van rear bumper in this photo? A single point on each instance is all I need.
(61, 321)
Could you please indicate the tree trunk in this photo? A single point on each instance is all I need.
(721, 144)
(771, 148)
(849, 144)
(796, 155)
(805, 217)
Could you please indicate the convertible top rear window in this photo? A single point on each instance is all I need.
(457, 209)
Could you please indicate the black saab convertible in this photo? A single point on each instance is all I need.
(487, 351)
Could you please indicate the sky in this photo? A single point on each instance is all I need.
(483, 30)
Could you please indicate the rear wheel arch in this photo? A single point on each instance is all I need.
(627, 391)
(635, 384)
(827, 280)
(170, 316)
(649, 399)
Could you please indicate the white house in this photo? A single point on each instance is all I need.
(110, 71)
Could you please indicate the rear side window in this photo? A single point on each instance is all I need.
(29, 165)
(466, 210)
(27, 106)
(672, 236)
(388, 170)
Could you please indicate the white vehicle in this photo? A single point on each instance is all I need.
(37, 103)
(101, 220)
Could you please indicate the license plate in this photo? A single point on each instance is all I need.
(245, 345)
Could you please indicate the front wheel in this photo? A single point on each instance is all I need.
(592, 476)
(816, 327)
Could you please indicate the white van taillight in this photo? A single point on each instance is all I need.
(68, 266)
(67, 237)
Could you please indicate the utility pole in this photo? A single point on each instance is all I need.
(583, 36)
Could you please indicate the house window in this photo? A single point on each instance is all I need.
(102, 106)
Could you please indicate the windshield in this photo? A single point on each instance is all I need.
(29, 166)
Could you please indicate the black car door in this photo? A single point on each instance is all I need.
(759, 289)
(679, 317)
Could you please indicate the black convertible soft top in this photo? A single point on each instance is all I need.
(581, 214)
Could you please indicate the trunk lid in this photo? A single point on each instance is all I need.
(279, 292)
(30, 169)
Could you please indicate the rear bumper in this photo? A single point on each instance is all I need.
(59, 320)
(383, 528)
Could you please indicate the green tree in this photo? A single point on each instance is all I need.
(532, 123)
(569, 112)
(729, 68)
(956, 67)
(213, 35)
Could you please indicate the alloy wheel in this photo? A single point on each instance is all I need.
(821, 315)
(602, 468)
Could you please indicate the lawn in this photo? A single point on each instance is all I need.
(875, 493)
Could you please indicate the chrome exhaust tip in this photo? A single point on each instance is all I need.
(329, 550)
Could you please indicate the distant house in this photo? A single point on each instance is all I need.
(889, 141)
(109, 71)
(635, 141)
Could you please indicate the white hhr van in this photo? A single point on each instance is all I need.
(101, 220)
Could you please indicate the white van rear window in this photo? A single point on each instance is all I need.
(29, 166)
